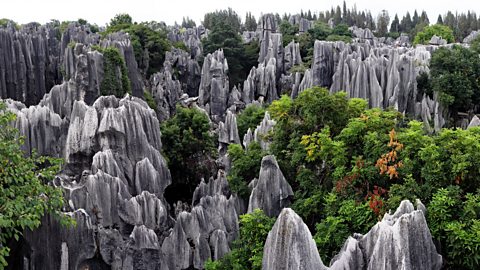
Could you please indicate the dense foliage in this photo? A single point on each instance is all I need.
(225, 35)
(115, 77)
(438, 30)
(247, 251)
(348, 165)
(188, 146)
(454, 75)
(149, 41)
(245, 166)
(26, 193)
(250, 118)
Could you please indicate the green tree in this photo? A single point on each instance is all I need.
(26, 192)
(424, 36)
(455, 74)
(115, 78)
(121, 19)
(250, 22)
(245, 166)
(383, 21)
(250, 118)
(189, 147)
(188, 23)
(241, 57)
(149, 44)
(456, 223)
(223, 17)
(341, 218)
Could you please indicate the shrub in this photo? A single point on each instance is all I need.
(115, 79)
(443, 31)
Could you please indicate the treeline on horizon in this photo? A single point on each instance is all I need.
(383, 23)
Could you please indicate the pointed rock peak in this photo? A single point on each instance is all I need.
(271, 193)
(475, 122)
(290, 245)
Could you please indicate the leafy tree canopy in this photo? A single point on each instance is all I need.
(443, 31)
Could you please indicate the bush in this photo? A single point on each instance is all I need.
(189, 147)
(247, 251)
(250, 118)
(443, 31)
(342, 218)
(245, 166)
(148, 44)
(456, 223)
(115, 79)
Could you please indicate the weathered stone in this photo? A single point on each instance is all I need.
(290, 245)
(271, 193)
(399, 241)
(214, 86)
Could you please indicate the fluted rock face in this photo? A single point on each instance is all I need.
(213, 218)
(323, 65)
(271, 192)
(290, 245)
(84, 72)
(191, 37)
(473, 35)
(399, 241)
(44, 131)
(260, 133)
(185, 68)
(166, 92)
(292, 55)
(261, 83)
(29, 62)
(303, 24)
(271, 45)
(54, 246)
(385, 76)
(228, 131)
(214, 86)
(113, 181)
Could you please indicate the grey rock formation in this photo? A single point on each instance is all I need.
(385, 76)
(270, 43)
(323, 65)
(114, 180)
(260, 133)
(30, 62)
(475, 122)
(166, 92)
(292, 55)
(228, 132)
(271, 193)
(471, 37)
(399, 241)
(290, 245)
(303, 24)
(214, 86)
(217, 186)
(191, 37)
(185, 69)
(437, 41)
(261, 83)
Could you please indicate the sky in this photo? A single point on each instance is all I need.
(101, 11)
